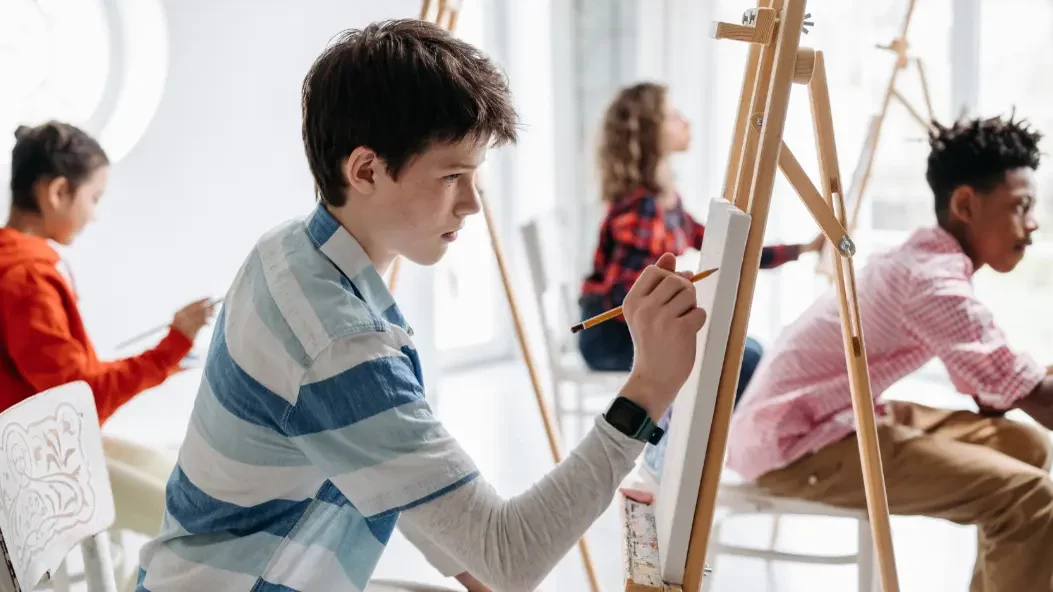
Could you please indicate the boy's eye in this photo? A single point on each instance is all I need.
(452, 178)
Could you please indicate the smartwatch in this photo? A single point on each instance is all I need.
(632, 420)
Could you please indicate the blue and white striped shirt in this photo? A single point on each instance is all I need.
(310, 432)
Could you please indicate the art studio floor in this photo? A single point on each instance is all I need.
(493, 414)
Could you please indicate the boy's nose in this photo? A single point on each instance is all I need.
(471, 204)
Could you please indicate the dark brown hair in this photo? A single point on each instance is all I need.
(398, 86)
(629, 142)
(49, 151)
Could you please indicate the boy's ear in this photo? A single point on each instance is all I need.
(360, 170)
(963, 203)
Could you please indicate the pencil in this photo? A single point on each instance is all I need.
(610, 314)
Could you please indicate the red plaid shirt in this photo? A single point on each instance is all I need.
(637, 231)
(916, 303)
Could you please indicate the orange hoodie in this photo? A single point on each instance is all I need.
(43, 343)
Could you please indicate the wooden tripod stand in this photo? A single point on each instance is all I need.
(444, 13)
(776, 61)
(865, 162)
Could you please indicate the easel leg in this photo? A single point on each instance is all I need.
(547, 420)
(852, 330)
(762, 183)
(760, 66)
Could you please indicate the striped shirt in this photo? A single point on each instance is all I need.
(310, 432)
(916, 303)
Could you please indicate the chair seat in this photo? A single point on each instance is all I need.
(740, 495)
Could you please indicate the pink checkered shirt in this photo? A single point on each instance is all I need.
(916, 303)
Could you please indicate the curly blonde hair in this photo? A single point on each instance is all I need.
(629, 150)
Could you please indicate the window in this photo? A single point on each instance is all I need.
(1016, 75)
(897, 198)
(99, 64)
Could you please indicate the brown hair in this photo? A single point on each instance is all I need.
(397, 86)
(629, 143)
(49, 151)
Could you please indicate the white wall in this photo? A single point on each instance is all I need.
(220, 163)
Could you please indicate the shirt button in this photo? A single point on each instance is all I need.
(812, 480)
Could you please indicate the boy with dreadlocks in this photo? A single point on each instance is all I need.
(793, 431)
(645, 217)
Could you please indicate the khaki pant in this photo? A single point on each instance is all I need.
(955, 465)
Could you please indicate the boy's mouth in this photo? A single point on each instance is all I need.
(450, 236)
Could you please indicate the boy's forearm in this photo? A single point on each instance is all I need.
(513, 544)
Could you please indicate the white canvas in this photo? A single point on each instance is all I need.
(722, 247)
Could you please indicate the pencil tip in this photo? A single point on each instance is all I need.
(577, 328)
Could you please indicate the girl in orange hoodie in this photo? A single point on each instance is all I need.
(58, 174)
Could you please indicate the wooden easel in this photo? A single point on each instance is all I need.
(776, 61)
(445, 15)
(865, 163)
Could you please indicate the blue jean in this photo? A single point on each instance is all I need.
(608, 347)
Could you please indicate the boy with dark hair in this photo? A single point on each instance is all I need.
(794, 432)
(310, 436)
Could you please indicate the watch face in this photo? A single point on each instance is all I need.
(626, 415)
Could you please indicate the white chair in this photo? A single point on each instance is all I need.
(553, 296)
(54, 491)
(739, 498)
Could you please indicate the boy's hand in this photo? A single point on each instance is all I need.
(191, 318)
(663, 320)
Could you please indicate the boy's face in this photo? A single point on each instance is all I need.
(999, 224)
(419, 215)
(66, 211)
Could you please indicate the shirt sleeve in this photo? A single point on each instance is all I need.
(36, 333)
(512, 544)
(361, 418)
(961, 331)
(777, 255)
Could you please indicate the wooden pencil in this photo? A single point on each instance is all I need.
(610, 314)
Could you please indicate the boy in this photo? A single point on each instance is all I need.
(310, 437)
(794, 435)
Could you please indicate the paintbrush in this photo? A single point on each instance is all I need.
(155, 330)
